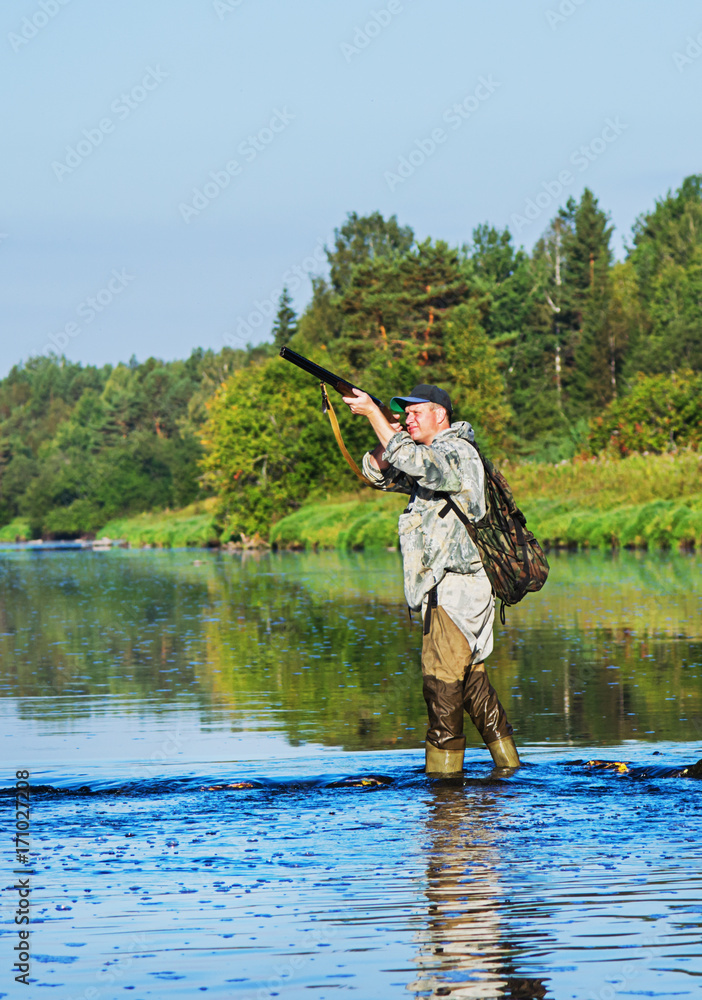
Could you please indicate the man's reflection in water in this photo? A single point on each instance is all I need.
(462, 953)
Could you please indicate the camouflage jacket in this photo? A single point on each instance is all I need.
(433, 546)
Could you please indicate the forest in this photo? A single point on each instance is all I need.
(554, 355)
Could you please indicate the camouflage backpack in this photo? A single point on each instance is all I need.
(513, 559)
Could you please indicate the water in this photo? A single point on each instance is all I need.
(136, 686)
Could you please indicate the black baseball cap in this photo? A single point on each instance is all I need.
(422, 394)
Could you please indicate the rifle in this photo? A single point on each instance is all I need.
(342, 385)
(345, 388)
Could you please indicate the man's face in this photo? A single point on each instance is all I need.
(423, 422)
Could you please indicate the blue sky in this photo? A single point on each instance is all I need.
(169, 164)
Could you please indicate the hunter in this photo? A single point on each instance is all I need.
(443, 574)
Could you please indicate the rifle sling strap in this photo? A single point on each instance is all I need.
(329, 409)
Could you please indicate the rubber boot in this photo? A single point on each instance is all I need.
(504, 752)
(443, 762)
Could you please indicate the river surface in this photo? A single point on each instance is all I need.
(227, 789)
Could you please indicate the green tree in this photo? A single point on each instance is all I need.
(568, 336)
(36, 399)
(320, 323)
(587, 252)
(502, 274)
(538, 354)
(661, 413)
(596, 367)
(365, 238)
(620, 331)
(396, 305)
(268, 446)
(285, 324)
(476, 384)
(78, 446)
(667, 258)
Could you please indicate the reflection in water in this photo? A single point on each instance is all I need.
(610, 650)
(463, 951)
(131, 683)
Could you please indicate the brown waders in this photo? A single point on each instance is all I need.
(452, 684)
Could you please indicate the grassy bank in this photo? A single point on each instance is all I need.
(659, 524)
(15, 531)
(192, 525)
(607, 483)
(641, 501)
(368, 522)
(652, 501)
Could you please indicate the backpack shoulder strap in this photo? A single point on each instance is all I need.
(451, 505)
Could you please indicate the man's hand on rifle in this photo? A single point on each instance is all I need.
(362, 404)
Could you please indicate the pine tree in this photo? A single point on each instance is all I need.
(624, 325)
(667, 259)
(285, 325)
(363, 239)
(572, 263)
(589, 261)
(476, 384)
(404, 299)
(502, 273)
(542, 354)
(320, 323)
(587, 251)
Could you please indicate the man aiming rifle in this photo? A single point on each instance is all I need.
(430, 460)
(435, 463)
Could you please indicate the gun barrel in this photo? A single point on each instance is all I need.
(342, 385)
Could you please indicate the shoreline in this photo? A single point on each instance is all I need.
(371, 524)
(644, 501)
